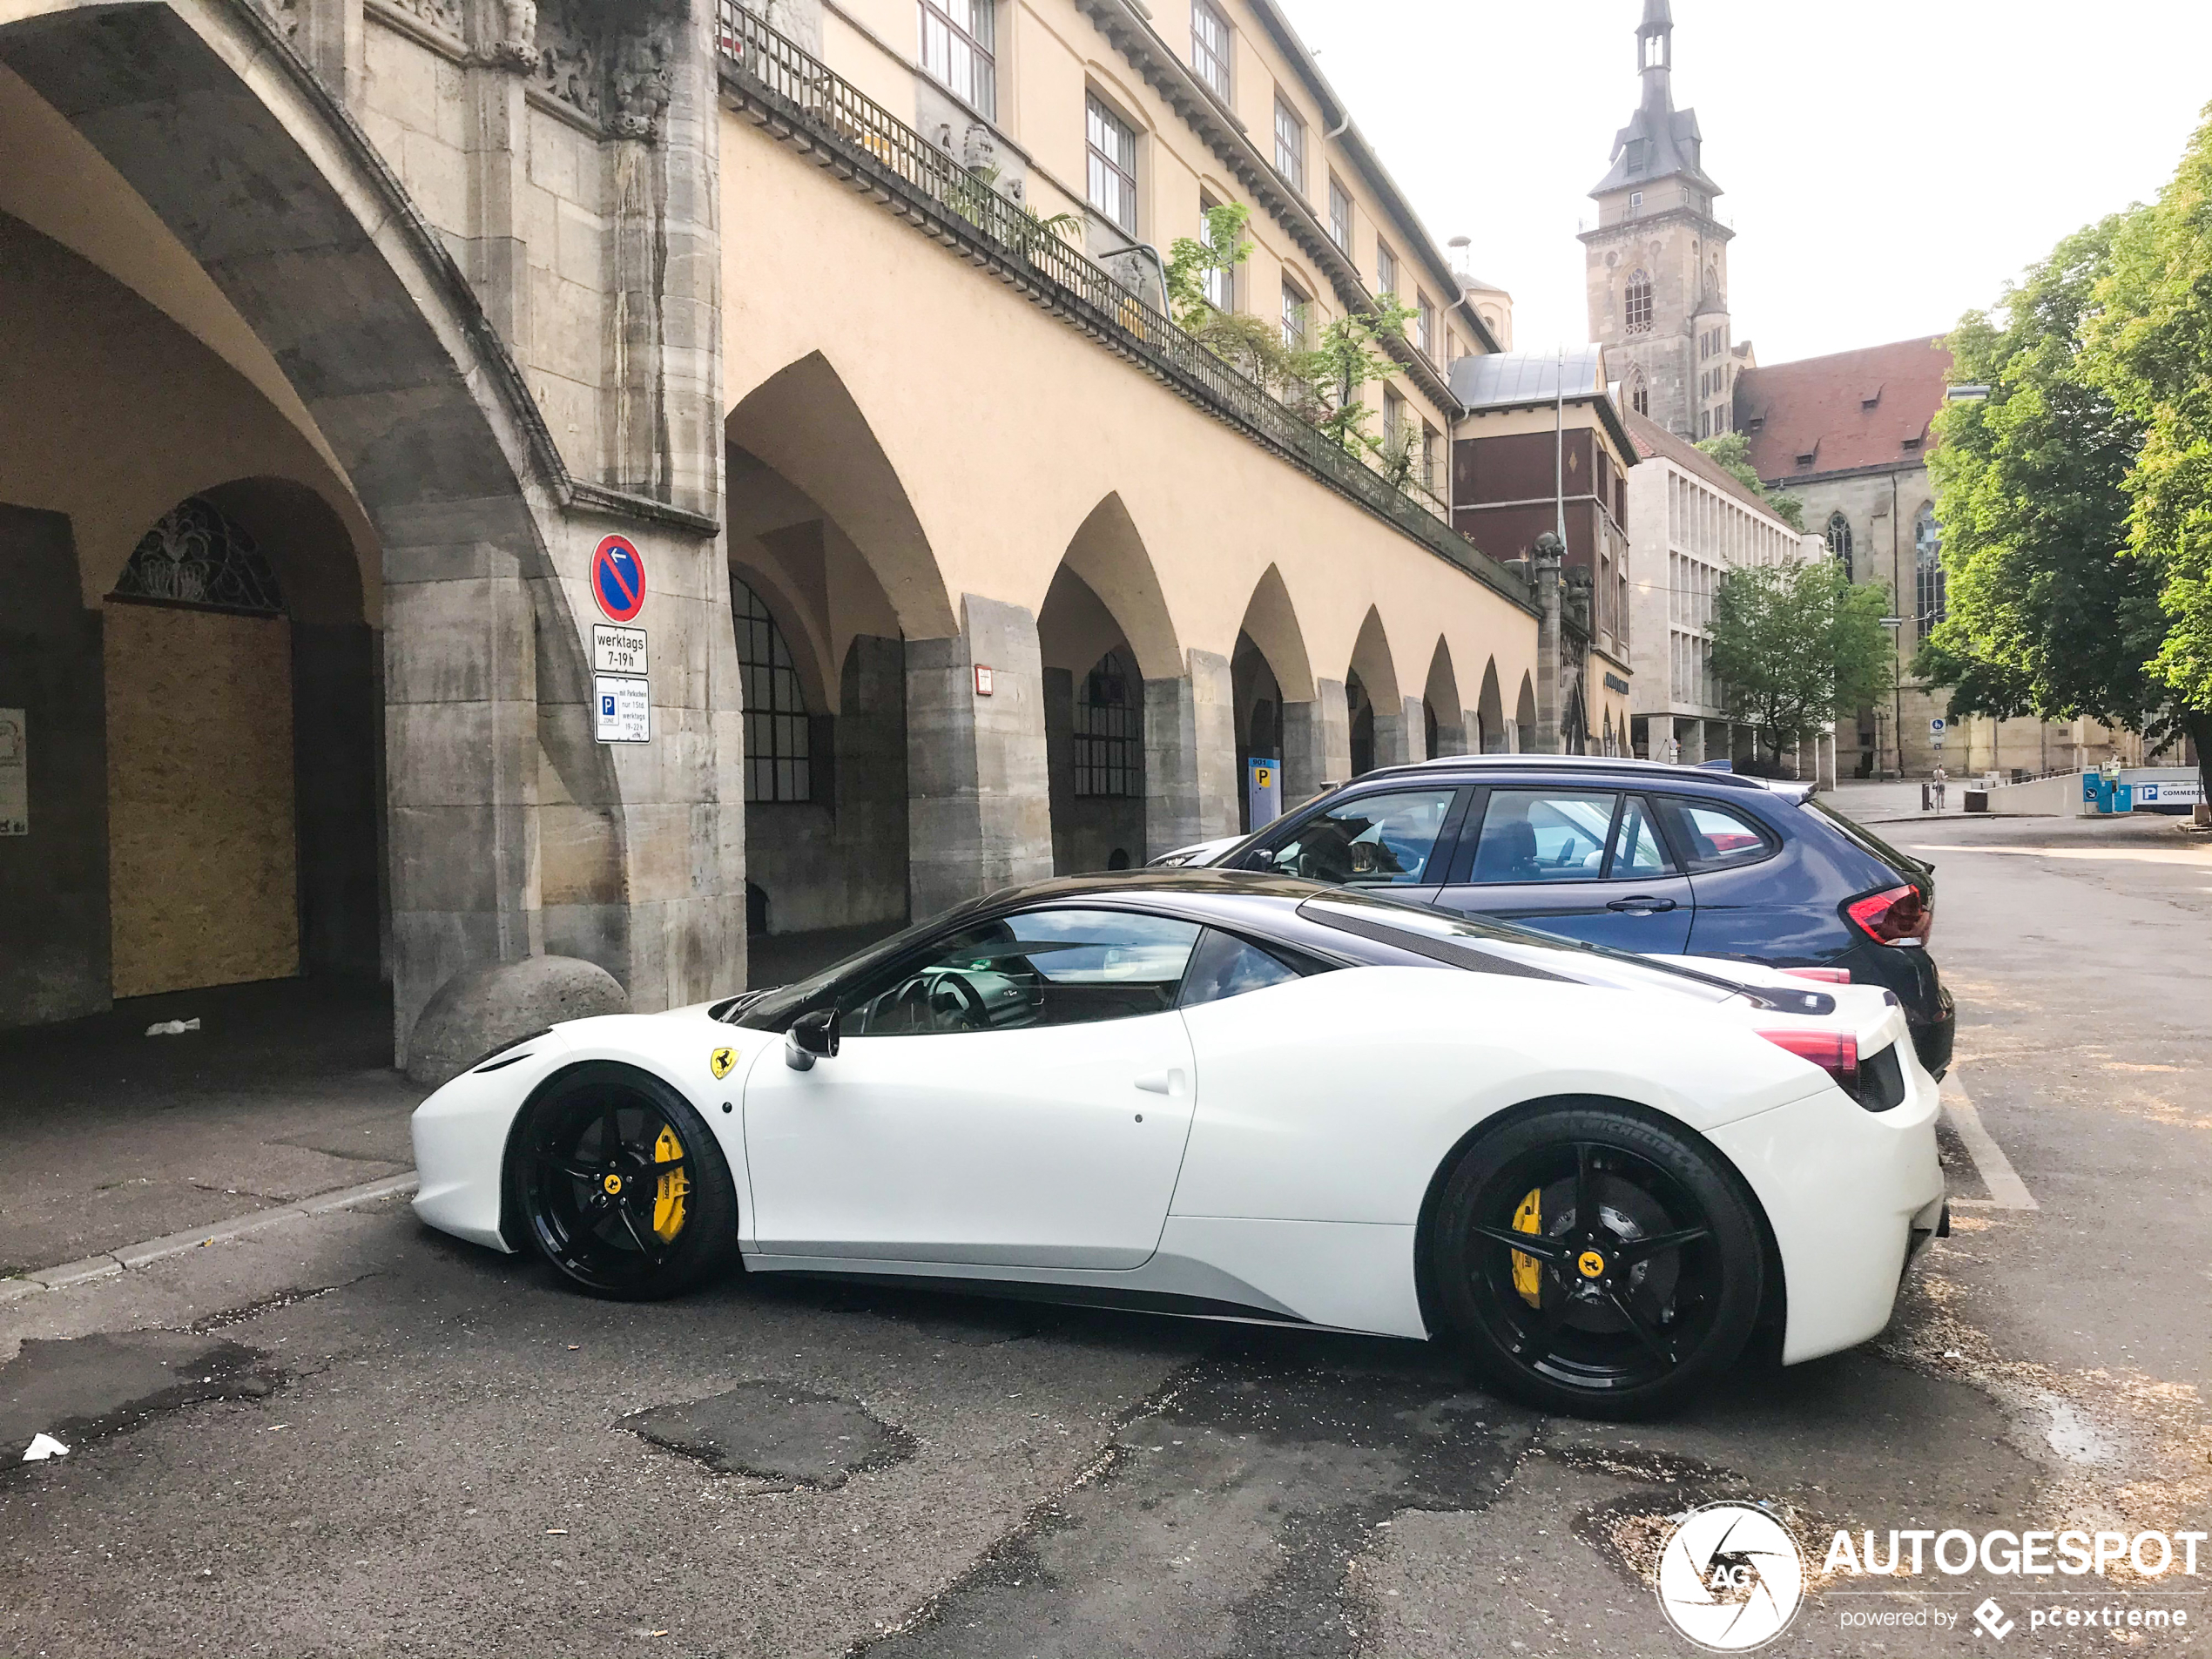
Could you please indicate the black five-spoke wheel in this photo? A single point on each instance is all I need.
(620, 1185)
(1597, 1260)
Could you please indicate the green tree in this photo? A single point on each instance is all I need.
(1794, 643)
(1332, 373)
(1252, 345)
(2048, 613)
(1733, 451)
(2151, 347)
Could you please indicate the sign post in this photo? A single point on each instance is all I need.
(1263, 790)
(622, 698)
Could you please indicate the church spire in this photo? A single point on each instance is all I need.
(1655, 53)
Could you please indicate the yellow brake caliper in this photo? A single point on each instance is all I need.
(668, 1197)
(1527, 1273)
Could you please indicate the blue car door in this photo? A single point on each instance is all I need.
(1587, 864)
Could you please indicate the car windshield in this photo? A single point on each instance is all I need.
(774, 1009)
(1497, 947)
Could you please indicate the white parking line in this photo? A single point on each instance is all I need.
(2006, 1189)
(131, 1257)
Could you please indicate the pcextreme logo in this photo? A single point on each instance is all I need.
(1730, 1577)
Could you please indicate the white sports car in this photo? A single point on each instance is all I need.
(1247, 1096)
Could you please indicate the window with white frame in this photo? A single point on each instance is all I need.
(1927, 564)
(1113, 165)
(1219, 283)
(1339, 215)
(1296, 307)
(1289, 145)
(1210, 51)
(1385, 268)
(1637, 308)
(1425, 324)
(958, 43)
(1431, 456)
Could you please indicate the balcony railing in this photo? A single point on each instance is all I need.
(887, 155)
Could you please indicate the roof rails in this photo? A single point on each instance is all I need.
(1574, 763)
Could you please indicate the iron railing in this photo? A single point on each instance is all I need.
(880, 150)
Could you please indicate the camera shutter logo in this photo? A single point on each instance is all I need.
(1732, 1577)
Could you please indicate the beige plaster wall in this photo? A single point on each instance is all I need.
(202, 851)
(1004, 429)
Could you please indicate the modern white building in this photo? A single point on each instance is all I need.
(1690, 521)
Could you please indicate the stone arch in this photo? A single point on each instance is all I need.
(222, 131)
(1272, 689)
(1108, 552)
(1270, 622)
(1490, 714)
(803, 422)
(1443, 714)
(1524, 717)
(1374, 708)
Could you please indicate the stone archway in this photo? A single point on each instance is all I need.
(1377, 710)
(1490, 732)
(222, 131)
(1443, 714)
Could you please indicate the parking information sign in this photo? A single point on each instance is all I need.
(622, 707)
(15, 774)
(618, 651)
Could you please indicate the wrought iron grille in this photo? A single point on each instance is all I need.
(779, 760)
(792, 89)
(196, 557)
(1109, 726)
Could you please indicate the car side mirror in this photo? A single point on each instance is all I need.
(811, 1037)
(1260, 858)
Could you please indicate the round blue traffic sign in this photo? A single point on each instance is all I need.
(618, 579)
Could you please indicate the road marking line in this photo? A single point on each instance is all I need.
(2006, 1189)
(129, 1257)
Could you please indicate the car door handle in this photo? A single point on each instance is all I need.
(1644, 905)
(1161, 1082)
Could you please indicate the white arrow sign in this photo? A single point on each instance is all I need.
(43, 1446)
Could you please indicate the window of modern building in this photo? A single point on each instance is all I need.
(778, 766)
(1219, 285)
(1210, 52)
(1109, 726)
(1113, 165)
(1385, 268)
(958, 41)
(1289, 145)
(1927, 565)
(1340, 215)
(1839, 534)
(1295, 305)
(1637, 303)
(1425, 323)
(1704, 423)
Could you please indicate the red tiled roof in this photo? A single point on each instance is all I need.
(1651, 439)
(1853, 409)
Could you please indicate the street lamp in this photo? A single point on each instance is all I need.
(1895, 624)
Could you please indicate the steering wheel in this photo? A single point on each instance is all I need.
(950, 994)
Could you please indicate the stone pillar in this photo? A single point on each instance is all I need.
(1545, 564)
(1392, 741)
(1059, 694)
(1190, 779)
(978, 813)
(1316, 743)
(1691, 735)
(1416, 729)
(1452, 740)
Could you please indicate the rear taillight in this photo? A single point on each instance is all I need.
(1825, 976)
(1835, 1052)
(1898, 916)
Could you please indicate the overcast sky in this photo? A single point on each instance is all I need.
(1888, 163)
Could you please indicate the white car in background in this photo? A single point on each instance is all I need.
(1246, 1096)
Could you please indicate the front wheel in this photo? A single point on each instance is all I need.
(620, 1184)
(1596, 1262)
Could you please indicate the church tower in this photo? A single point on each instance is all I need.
(1657, 262)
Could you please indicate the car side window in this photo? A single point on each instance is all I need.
(1713, 838)
(1226, 966)
(1637, 850)
(1045, 967)
(1544, 835)
(1375, 840)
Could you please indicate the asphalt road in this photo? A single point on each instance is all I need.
(348, 1435)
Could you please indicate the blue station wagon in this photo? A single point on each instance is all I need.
(1675, 860)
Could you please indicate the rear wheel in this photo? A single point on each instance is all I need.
(1597, 1262)
(621, 1185)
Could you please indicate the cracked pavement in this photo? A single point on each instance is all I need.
(408, 1445)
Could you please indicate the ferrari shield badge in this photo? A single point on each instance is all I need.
(720, 1062)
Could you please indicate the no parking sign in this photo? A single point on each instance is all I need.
(618, 579)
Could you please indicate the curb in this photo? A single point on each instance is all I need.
(131, 1257)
